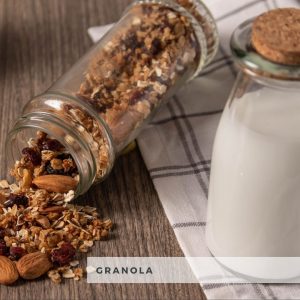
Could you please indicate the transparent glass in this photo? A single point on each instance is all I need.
(253, 207)
(102, 103)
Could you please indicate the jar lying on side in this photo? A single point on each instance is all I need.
(106, 98)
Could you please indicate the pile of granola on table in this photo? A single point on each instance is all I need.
(35, 214)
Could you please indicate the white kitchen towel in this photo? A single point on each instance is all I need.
(177, 146)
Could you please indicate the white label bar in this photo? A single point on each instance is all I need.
(193, 270)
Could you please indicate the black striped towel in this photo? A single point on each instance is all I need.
(177, 146)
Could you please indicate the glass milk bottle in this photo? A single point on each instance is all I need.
(254, 194)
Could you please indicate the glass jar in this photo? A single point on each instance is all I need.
(108, 96)
(254, 208)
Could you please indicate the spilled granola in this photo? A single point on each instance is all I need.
(40, 219)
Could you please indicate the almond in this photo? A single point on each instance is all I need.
(55, 183)
(33, 265)
(8, 271)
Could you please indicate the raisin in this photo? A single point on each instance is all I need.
(63, 255)
(4, 250)
(16, 199)
(156, 46)
(131, 41)
(53, 145)
(50, 170)
(32, 155)
(17, 252)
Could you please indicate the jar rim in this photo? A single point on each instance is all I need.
(34, 122)
(42, 113)
(251, 62)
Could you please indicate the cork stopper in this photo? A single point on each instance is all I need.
(276, 35)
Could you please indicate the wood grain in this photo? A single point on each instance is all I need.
(39, 41)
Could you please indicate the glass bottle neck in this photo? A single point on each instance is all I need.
(254, 64)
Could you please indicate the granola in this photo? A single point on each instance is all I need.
(129, 77)
(145, 59)
(43, 156)
(150, 53)
(42, 220)
(112, 92)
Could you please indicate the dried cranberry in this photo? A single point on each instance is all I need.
(4, 250)
(32, 155)
(156, 46)
(16, 199)
(63, 255)
(53, 145)
(17, 252)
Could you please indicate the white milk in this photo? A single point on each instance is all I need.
(254, 195)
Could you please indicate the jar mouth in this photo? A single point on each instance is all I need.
(26, 128)
(252, 62)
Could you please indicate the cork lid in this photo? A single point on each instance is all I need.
(276, 35)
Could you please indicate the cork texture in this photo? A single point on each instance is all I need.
(276, 35)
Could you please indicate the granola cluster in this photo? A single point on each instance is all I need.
(35, 219)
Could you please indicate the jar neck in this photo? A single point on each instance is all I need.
(44, 113)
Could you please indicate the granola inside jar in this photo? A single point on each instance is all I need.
(101, 104)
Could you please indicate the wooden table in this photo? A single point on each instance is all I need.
(39, 41)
